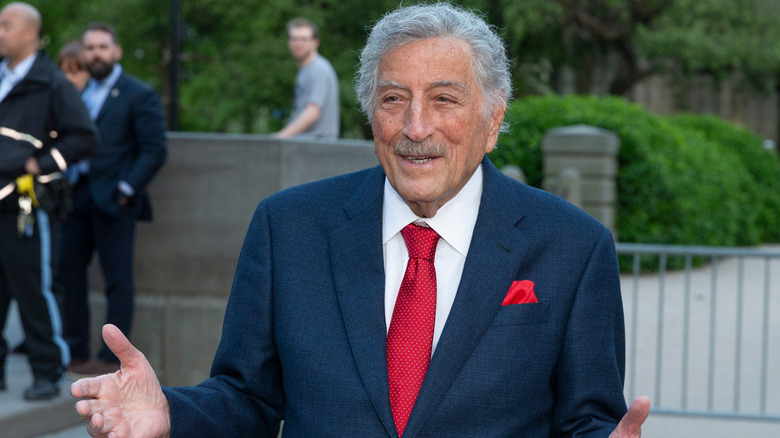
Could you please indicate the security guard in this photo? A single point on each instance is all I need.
(44, 127)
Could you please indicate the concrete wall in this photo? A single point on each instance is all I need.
(203, 201)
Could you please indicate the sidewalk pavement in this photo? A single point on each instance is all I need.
(20, 418)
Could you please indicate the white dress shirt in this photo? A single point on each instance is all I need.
(96, 93)
(94, 96)
(9, 78)
(454, 222)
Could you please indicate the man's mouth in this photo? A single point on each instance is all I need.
(419, 152)
(418, 160)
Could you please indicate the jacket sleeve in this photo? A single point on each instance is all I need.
(148, 131)
(590, 370)
(73, 134)
(244, 395)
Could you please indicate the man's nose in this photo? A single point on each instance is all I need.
(418, 126)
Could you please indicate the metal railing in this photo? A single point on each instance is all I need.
(704, 339)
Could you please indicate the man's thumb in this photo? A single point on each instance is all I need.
(120, 346)
(631, 424)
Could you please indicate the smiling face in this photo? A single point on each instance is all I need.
(430, 121)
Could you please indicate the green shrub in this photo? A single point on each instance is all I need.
(762, 165)
(689, 179)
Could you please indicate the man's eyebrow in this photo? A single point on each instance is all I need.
(382, 85)
(460, 86)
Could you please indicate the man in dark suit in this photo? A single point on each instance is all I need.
(506, 321)
(109, 195)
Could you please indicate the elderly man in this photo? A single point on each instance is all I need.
(431, 296)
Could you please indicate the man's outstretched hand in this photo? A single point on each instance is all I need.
(631, 424)
(127, 403)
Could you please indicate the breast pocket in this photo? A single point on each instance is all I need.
(521, 314)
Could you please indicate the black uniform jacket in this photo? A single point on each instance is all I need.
(43, 115)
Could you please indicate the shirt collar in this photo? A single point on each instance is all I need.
(21, 69)
(454, 221)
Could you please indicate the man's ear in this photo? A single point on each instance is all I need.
(496, 120)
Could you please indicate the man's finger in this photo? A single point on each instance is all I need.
(106, 423)
(631, 424)
(76, 390)
(120, 346)
(83, 409)
(94, 425)
(86, 388)
(638, 412)
(88, 408)
(91, 387)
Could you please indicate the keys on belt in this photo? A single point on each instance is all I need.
(25, 220)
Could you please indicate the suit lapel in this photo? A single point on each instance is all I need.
(112, 98)
(358, 273)
(491, 265)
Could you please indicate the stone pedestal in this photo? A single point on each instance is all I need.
(580, 165)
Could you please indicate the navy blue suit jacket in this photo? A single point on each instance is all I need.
(132, 147)
(304, 333)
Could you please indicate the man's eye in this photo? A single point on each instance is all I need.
(391, 99)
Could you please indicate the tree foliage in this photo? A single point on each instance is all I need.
(642, 37)
(237, 75)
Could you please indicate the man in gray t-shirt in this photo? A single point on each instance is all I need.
(316, 102)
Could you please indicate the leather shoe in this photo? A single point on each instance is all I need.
(41, 390)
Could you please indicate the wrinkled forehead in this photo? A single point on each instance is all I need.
(430, 62)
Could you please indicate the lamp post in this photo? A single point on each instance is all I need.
(173, 104)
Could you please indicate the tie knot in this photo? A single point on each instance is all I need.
(420, 241)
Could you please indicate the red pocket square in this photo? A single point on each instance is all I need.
(520, 292)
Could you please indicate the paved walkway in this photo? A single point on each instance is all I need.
(22, 419)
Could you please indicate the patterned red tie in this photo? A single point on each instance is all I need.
(411, 327)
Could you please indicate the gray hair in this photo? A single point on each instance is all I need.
(441, 20)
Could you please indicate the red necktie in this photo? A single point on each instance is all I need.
(411, 327)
